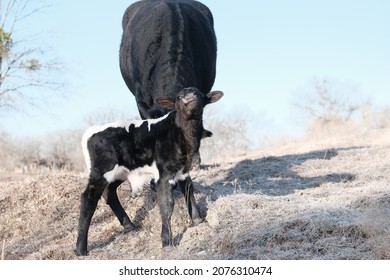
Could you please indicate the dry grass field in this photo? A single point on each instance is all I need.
(323, 198)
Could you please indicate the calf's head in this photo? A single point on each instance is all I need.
(189, 103)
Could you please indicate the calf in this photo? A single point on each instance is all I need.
(155, 149)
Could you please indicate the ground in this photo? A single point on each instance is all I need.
(322, 199)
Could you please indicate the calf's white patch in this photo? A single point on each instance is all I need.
(137, 177)
(179, 177)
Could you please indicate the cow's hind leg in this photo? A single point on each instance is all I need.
(89, 201)
(111, 197)
(187, 189)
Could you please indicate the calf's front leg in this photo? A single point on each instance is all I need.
(166, 204)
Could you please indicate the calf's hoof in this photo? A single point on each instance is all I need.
(197, 221)
(167, 243)
(128, 228)
(81, 252)
(128, 225)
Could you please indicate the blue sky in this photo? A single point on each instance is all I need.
(267, 52)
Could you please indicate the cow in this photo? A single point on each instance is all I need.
(167, 45)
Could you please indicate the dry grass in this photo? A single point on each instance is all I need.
(323, 199)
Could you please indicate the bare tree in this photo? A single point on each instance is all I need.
(328, 101)
(63, 150)
(335, 107)
(7, 150)
(22, 66)
(107, 116)
(234, 133)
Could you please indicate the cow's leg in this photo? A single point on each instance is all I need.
(195, 165)
(187, 189)
(166, 204)
(143, 110)
(111, 197)
(196, 160)
(89, 201)
(143, 107)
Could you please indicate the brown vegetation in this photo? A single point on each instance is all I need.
(322, 199)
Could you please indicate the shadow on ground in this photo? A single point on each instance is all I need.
(274, 176)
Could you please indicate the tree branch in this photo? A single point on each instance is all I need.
(21, 69)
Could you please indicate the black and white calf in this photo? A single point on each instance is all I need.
(156, 149)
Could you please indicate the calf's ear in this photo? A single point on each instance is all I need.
(165, 102)
(214, 96)
(206, 133)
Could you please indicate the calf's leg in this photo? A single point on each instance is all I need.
(89, 201)
(166, 204)
(187, 189)
(111, 197)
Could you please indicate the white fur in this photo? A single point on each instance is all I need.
(154, 121)
(118, 173)
(179, 177)
(137, 177)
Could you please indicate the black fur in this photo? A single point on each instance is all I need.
(166, 46)
(171, 143)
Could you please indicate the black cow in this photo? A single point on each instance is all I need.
(167, 45)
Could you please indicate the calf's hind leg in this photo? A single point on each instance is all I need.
(111, 197)
(89, 201)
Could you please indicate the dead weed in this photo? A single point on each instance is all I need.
(292, 202)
